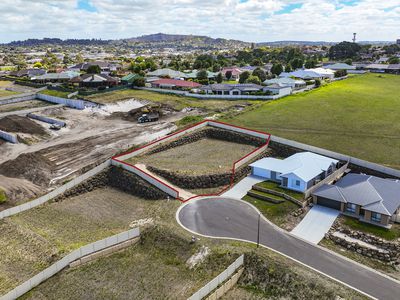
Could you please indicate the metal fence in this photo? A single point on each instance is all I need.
(78, 104)
(11, 137)
(218, 280)
(66, 260)
(339, 156)
(58, 191)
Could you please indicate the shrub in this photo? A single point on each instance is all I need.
(3, 196)
(340, 73)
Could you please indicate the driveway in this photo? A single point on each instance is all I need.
(239, 190)
(316, 223)
(235, 219)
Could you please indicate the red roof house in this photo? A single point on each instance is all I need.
(174, 83)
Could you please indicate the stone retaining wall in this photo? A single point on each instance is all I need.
(390, 251)
(264, 197)
(199, 181)
(276, 193)
(212, 133)
(116, 178)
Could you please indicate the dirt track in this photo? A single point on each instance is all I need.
(88, 139)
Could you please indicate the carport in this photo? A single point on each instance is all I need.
(328, 203)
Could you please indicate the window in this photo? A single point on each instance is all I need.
(297, 182)
(376, 217)
(351, 207)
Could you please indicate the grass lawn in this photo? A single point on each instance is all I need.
(56, 93)
(276, 213)
(5, 93)
(352, 223)
(204, 156)
(358, 116)
(3, 196)
(275, 186)
(175, 101)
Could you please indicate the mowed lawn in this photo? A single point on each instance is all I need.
(359, 116)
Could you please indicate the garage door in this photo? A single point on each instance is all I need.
(328, 203)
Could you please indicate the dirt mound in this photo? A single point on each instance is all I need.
(15, 123)
(32, 166)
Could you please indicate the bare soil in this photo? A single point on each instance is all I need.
(23, 105)
(205, 156)
(20, 124)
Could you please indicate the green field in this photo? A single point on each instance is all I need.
(358, 116)
(56, 93)
(5, 93)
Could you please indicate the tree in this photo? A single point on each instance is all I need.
(202, 75)
(79, 58)
(288, 68)
(219, 78)
(276, 69)
(253, 79)
(38, 65)
(317, 83)
(310, 64)
(93, 69)
(394, 60)
(260, 74)
(296, 63)
(243, 76)
(348, 61)
(228, 75)
(139, 82)
(344, 50)
(340, 73)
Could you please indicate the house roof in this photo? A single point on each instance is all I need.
(340, 66)
(377, 66)
(277, 86)
(283, 81)
(235, 71)
(94, 78)
(61, 75)
(193, 74)
(176, 82)
(372, 193)
(167, 72)
(244, 87)
(305, 165)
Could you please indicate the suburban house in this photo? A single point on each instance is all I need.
(28, 73)
(317, 73)
(231, 89)
(277, 89)
(298, 172)
(166, 83)
(286, 81)
(128, 79)
(104, 66)
(61, 77)
(370, 199)
(193, 74)
(235, 72)
(340, 66)
(95, 81)
(382, 68)
(166, 73)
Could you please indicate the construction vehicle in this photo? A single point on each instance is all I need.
(150, 117)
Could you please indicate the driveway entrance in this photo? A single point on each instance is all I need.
(316, 223)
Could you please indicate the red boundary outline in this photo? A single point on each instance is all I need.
(185, 129)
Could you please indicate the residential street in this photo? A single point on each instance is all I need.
(228, 218)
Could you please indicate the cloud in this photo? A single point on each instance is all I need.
(251, 20)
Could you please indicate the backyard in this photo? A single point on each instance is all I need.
(358, 116)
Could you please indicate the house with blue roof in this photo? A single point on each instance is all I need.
(298, 172)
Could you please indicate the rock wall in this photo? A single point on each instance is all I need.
(388, 252)
(212, 133)
(116, 178)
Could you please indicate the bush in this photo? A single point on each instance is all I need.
(340, 73)
(189, 120)
(3, 196)
(317, 83)
(139, 82)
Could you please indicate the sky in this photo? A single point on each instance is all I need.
(247, 20)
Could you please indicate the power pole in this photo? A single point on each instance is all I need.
(258, 230)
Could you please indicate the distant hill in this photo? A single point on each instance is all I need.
(56, 41)
(159, 40)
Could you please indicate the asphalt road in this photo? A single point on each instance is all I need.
(228, 218)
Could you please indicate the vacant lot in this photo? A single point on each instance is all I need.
(33, 240)
(5, 93)
(177, 102)
(358, 116)
(205, 156)
(23, 105)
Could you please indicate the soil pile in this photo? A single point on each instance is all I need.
(20, 124)
(32, 166)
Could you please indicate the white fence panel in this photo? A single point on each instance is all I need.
(10, 137)
(65, 261)
(58, 191)
(46, 119)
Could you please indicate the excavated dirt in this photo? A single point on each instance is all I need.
(31, 166)
(20, 124)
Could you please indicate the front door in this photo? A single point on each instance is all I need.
(284, 181)
(273, 175)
